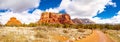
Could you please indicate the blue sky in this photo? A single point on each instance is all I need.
(46, 4)
(76, 9)
(109, 12)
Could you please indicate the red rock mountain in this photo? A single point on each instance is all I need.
(49, 17)
(83, 21)
(77, 21)
(13, 22)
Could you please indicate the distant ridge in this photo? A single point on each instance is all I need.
(83, 21)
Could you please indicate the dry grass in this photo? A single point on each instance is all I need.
(114, 34)
(81, 30)
(9, 34)
(65, 31)
(41, 34)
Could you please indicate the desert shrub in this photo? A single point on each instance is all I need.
(12, 37)
(12, 25)
(24, 25)
(40, 34)
(88, 26)
(0, 24)
(32, 25)
(55, 25)
(65, 31)
(80, 30)
(58, 25)
(79, 26)
(66, 25)
(45, 24)
(117, 27)
(73, 26)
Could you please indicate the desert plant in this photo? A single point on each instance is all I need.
(1, 25)
(32, 24)
(12, 37)
(80, 30)
(24, 25)
(65, 31)
(40, 34)
(66, 26)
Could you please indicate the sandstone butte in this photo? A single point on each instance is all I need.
(49, 17)
(13, 22)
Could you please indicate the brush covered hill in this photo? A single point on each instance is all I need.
(13, 22)
(49, 17)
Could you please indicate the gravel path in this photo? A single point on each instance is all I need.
(96, 36)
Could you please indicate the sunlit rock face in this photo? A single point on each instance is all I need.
(13, 22)
(49, 17)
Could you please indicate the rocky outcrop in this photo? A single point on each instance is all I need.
(13, 22)
(83, 21)
(49, 17)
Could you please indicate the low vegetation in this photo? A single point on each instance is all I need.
(9, 34)
(41, 34)
(77, 26)
(114, 35)
(63, 32)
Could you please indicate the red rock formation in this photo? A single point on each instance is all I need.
(13, 22)
(49, 17)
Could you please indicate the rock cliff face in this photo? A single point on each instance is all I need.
(49, 17)
(13, 22)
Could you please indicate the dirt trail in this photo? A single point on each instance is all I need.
(96, 36)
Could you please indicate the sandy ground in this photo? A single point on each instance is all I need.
(96, 36)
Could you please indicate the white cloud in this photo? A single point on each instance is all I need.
(88, 9)
(76, 9)
(113, 4)
(18, 5)
(19, 9)
(118, 13)
(23, 17)
(56, 10)
(113, 20)
(84, 8)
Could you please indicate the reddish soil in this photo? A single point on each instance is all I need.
(96, 36)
